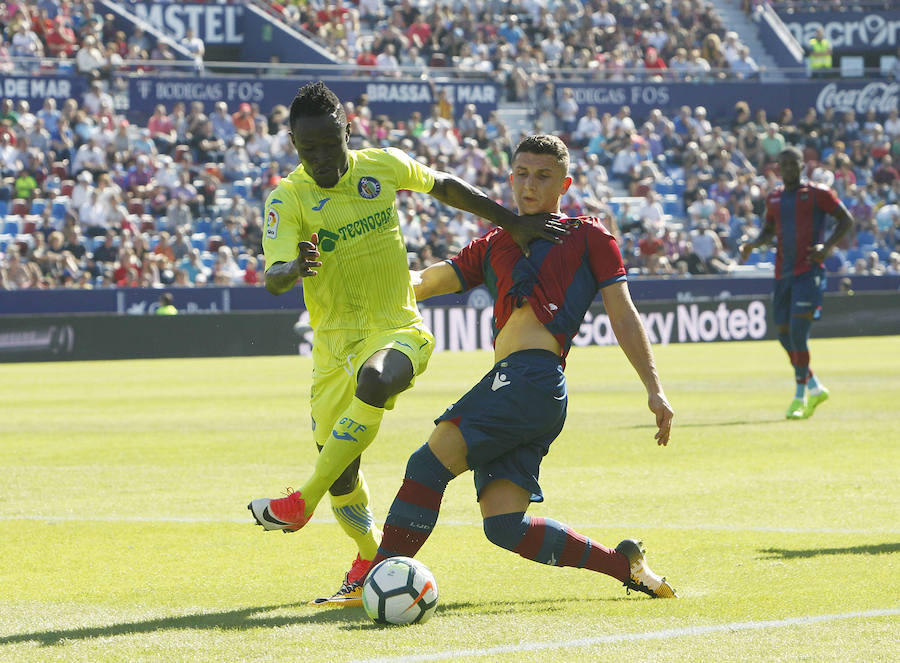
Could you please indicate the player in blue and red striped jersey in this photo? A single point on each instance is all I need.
(502, 428)
(796, 216)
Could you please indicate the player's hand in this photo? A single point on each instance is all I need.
(529, 227)
(307, 260)
(745, 250)
(664, 415)
(817, 253)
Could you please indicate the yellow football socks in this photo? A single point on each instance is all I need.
(355, 518)
(352, 433)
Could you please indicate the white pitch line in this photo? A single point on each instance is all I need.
(634, 637)
(459, 523)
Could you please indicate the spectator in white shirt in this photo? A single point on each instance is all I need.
(589, 125)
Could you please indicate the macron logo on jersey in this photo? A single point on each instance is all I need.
(500, 381)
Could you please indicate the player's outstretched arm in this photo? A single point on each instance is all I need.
(632, 337)
(457, 193)
(437, 279)
(282, 276)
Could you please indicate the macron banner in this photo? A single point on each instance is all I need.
(853, 31)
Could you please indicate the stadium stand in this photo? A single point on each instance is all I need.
(91, 198)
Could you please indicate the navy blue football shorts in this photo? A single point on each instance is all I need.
(510, 418)
(798, 295)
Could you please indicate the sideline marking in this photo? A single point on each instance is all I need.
(459, 523)
(636, 637)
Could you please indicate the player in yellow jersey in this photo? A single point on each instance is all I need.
(334, 218)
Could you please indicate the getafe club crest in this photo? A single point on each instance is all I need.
(368, 187)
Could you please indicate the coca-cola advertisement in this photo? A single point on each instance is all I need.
(880, 97)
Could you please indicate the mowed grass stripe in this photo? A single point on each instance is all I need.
(666, 634)
(456, 523)
(124, 534)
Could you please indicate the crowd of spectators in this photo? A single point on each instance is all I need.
(90, 200)
(521, 43)
(93, 201)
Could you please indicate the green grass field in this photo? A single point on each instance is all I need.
(124, 534)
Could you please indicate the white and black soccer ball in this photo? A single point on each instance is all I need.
(400, 590)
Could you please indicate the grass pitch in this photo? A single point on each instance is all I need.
(124, 534)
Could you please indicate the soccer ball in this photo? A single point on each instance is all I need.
(400, 590)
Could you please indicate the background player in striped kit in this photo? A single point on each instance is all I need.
(796, 218)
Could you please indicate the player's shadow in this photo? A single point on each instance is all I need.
(875, 549)
(232, 620)
(466, 608)
(678, 425)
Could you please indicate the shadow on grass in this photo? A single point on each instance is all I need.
(710, 424)
(876, 549)
(469, 608)
(232, 620)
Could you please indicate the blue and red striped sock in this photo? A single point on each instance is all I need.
(550, 542)
(415, 509)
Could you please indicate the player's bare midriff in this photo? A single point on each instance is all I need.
(523, 331)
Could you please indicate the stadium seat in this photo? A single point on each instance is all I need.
(61, 169)
(241, 188)
(208, 259)
(12, 225)
(215, 241)
(60, 206)
(242, 260)
(136, 206)
(4, 207)
(147, 224)
(198, 241)
(65, 188)
(202, 225)
(20, 207)
(30, 224)
(38, 205)
(4, 241)
(180, 151)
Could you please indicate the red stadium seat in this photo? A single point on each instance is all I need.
(61, 169)
(20, 207)
(65, 189)
(136, 206)
(30, 224)
(180, 151)
(147, 223)
(215, 241)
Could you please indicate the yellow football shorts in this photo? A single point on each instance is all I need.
(334, 385)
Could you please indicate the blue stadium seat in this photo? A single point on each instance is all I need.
(673, 208)
(4, 207)
(853, 255)
(12, 225)
(198, 241)
(241, 189)
(58, 211)
(202, 225)
(38, 205)
(208, 259)
(242, 260)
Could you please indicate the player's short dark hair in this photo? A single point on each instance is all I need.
(791, 152)
(545, 144)
(315, 100)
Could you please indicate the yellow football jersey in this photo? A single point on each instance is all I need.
(363, 284)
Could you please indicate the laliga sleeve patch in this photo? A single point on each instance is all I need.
(272, 224)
